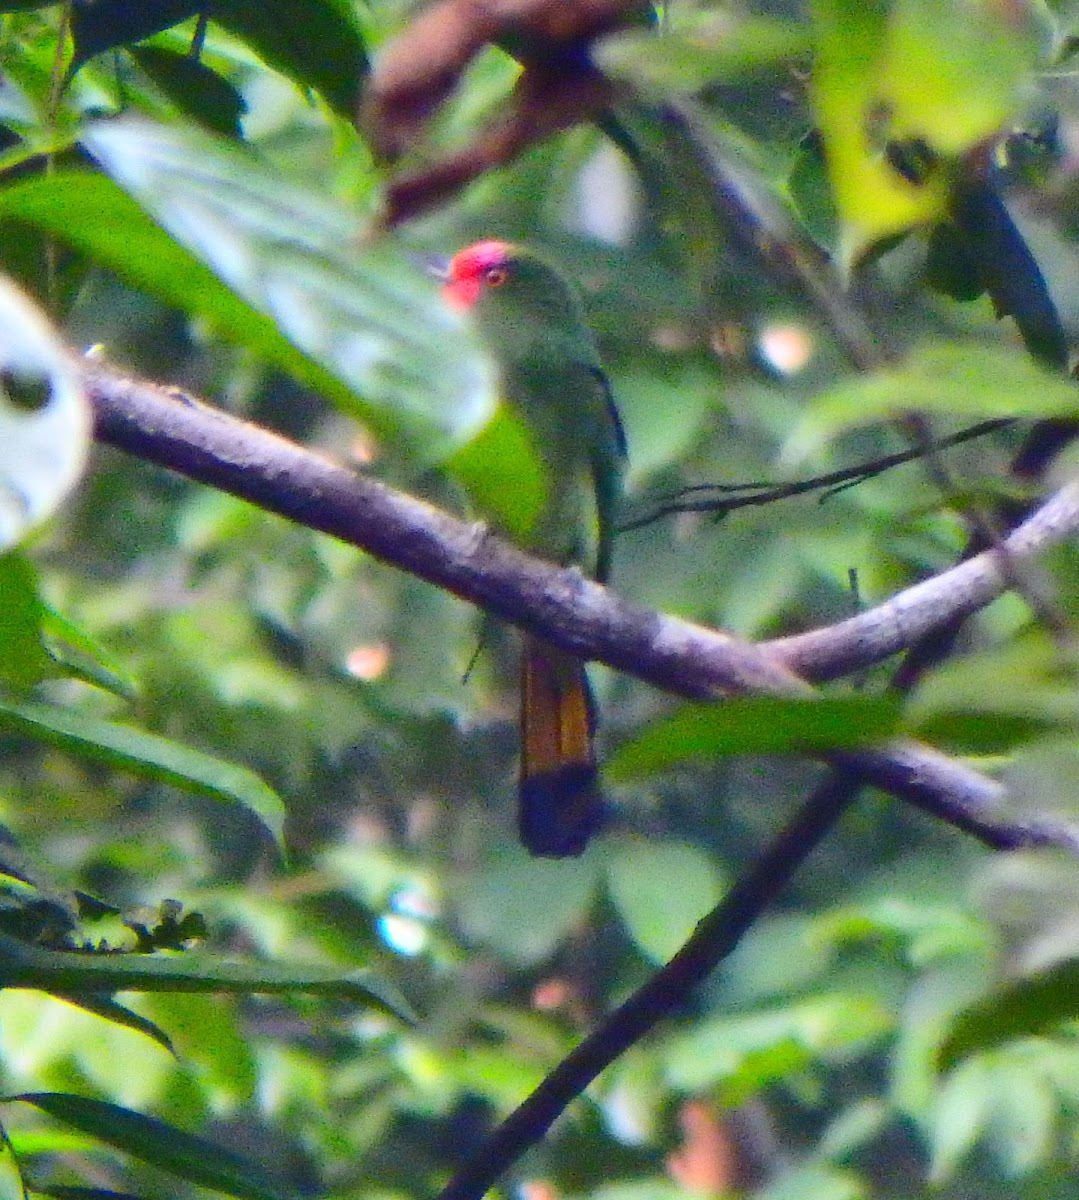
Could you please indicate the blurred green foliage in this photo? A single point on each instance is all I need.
(179, 672)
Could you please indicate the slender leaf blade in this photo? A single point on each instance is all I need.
(1032, 1006)
(755, 725)
(164, 1146)
(146, 755)
(68, 973)
(92, 215)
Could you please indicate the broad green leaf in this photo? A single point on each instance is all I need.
(89, 213)
(44, 418)
(960, 1115)
(928, 930)
(23, 660)
(146, 755)
(1023, 1130)
(193, 87)
(660, 917)
(314, 42)
(755, 725)
(1035, 1005)
(100, 25)
(964, 380)
(905, 83)
(67, 974)
(746, 1053)
(700, 49)
(989, 702)
(164, 1146)
(363, 311)
(874, 200)
(523, 907)
(954, 71)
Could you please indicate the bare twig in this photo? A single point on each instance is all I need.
(721, 499)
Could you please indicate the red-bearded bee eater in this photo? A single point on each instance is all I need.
(531, 323)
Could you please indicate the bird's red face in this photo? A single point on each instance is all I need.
(473, 270)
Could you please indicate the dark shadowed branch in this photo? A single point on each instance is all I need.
(665, 992)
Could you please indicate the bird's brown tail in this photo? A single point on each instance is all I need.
(560, 806)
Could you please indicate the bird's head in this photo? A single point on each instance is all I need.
(476, 270)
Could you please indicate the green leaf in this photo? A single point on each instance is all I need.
(988, 702)
(44, 418)
(815, 1181)
(110, 1010)
(315, 42)
(962, 379)
(908, 84)
(700, 49)
(873, 199)
(100, 25)
(1035, 1005)
(523, 906)
(1023, 1129)
(66, 973)
(660, 917)
(961, 1113)
(362, 311)
(755, 725)
(194, 88)
(12, 1184)
(146, 755)
(23, 660)
(953, 72)
(83, 656)
(92, 215)
(164, 1146)
(747, 1053)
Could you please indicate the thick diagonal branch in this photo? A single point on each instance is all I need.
(208, 445)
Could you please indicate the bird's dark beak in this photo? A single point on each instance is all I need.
(435, 265)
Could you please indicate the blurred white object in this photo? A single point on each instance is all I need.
(45, 424)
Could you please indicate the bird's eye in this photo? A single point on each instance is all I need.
(495, 276)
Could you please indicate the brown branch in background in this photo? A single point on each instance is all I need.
(416, 73)
(687, 660)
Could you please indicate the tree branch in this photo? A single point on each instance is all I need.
(665, 991)
(918, 611)
(178, 432)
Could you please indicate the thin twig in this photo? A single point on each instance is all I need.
(753, 494)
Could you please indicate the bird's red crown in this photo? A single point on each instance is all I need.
(474, 269)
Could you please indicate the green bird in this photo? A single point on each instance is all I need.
(550, 377)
